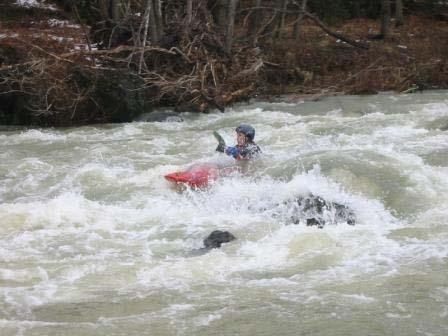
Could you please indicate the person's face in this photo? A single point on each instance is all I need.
(240, 138)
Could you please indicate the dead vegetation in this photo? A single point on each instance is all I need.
(59, 84)
(413, 57)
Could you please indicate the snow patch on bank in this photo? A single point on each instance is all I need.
(27, 3)
(4, 36)
(62, 23)
(35, 4)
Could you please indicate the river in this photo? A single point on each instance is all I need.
(94, 241)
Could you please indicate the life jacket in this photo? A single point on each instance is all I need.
(248, 151)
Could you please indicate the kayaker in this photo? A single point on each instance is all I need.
(245, 148)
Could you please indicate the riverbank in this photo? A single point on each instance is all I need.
(53, 74)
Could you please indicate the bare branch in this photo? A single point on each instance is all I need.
(335, 34)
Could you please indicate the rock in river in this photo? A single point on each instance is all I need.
(217, 238)
(313, 210)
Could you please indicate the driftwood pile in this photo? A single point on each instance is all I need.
(188, 69)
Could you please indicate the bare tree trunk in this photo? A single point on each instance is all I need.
(230, 24)
(220, 12)
(296, 31)
(114, 10)
(281, 17)
(109, 10)
(189, 14)
(385, 18)
(145, 34)
(103, 7)
(399, 12)
(255, 18)
(159, 18)
(153, 32)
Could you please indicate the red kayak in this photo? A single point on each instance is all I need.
(199, 175)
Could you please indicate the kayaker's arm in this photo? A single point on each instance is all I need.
(233, 151)
(248, 152)
(239, 152)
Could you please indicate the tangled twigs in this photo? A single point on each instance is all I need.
(192, 72)
(335, 34)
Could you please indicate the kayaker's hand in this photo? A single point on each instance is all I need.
(221, 143)
(221, 148)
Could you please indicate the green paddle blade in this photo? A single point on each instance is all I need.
(219, 138)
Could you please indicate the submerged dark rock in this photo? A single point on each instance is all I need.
(217, 238)
(314, 211)
(213, 240)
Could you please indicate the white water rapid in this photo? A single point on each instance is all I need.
(94, 241)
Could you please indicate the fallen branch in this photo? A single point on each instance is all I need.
(228, 98)
(254, 68)
(334, 34)
(303, 12)
(118, 50)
